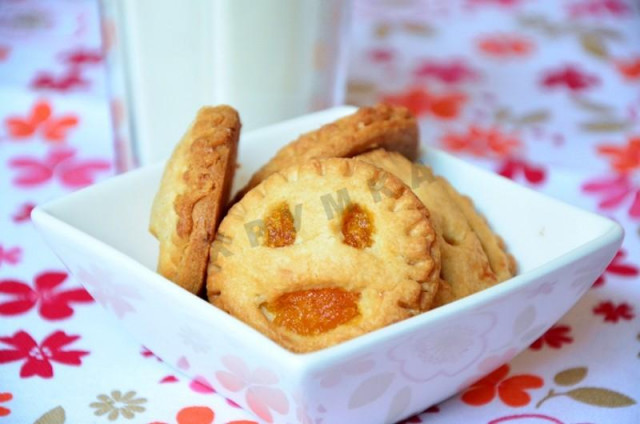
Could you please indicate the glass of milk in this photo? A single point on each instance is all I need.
(269, 59)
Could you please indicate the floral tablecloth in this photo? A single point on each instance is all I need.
(546, 93)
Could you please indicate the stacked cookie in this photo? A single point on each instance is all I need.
(339, 234)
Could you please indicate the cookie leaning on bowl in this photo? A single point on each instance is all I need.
(193, 194)
(322, 252)
(473, 257)
(369, 128)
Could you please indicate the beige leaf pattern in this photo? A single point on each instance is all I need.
(382, 30)
(605, 126)
(593, 44)
(597, 396)
(419, 29)
(570, 376)
(594, 396)
(54, 416)
(535, 117)
(591, 106)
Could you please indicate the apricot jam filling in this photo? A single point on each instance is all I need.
(357, 226)
(279, 226)
(314, 311)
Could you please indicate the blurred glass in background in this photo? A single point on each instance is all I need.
(269, 59)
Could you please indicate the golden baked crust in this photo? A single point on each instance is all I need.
(290, 237)
(472, 256)
(502, 263)
(193, 193)
(382, 125)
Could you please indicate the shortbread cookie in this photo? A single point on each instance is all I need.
(193, 194)
(391, 127)
(473, 257)
(322, 252)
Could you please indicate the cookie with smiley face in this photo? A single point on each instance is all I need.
(324, 251)
(369, 128)
(473, 257)
(193, 193)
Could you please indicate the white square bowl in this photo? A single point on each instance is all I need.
(100, 233)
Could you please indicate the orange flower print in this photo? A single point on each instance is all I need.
(623, 158)
(421, 102)
(481, 142)
(505, 45)
(195, 415)
(629, 69)
(4, 52)
(40, 121)
(5, 397)
(200, 415)
(512, 391)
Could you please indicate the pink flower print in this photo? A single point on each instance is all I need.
(145, 352)
(598, 8)
(527, 419)
(614, 191)
(260, 396)
(53, 303)
(60, 164)
(570, 77)
(39, 356)
(10, 255)
(200, 384)
(111, 295)
(434, 409)
(82, 56)
(381, 55)
(513, 167)
(34, 171)
(71, 79)
(23, 214)
(501, 3)
(555, 337)
(169, 379)
(613, 313)
(618, 268)
(452, 72)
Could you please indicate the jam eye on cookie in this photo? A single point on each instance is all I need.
(279, 226)
(357, 226)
